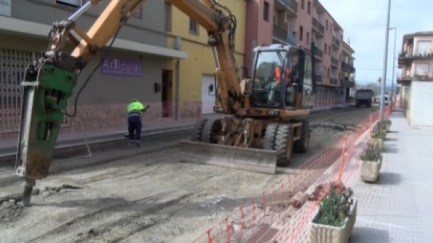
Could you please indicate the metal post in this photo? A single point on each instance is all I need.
(89, 153)
(382, 96)
(393, 67)
(80, 11)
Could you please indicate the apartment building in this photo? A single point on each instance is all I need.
(300, 22)
(196, 72)
(135, 68)
(347, 70)
(416, 63)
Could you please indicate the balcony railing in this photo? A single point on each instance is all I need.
(280, 33)
(334, 81)
(335, 41)
(318, 26)
(318, 78)
(292, 4)
(347, 83)
(334, 61)
(319, 52)
(347, 67)
(415, 78)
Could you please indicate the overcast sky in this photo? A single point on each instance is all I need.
(364, 23)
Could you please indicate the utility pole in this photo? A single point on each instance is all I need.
(393, 66)
(382, 95)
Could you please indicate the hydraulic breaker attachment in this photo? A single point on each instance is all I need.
(46, 90)
(247, 159)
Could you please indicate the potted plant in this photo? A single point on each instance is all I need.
(371, 161)
(388, 124)
(335, 218)
(378, 136)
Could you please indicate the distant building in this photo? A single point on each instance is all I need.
(416, 62)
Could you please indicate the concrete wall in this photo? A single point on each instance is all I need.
(421, 113)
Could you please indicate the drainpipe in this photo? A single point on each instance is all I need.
(176, 109)
(177, 46)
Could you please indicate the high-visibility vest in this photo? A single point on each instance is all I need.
(135, 106)
(278, 74)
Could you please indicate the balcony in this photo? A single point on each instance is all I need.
(335, 42)
(405, 58)
(334, 62)
(319, 53)
(347, 67)
(280, 33)
(318, 27)
(290, 5)
(407, 79)
(334, 81)
(347, 83)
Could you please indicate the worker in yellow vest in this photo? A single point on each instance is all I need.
(135, 110)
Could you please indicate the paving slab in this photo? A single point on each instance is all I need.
(397, 208)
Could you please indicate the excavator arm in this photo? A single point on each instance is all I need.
(49, 81)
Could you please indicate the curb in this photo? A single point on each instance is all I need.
(100, 143)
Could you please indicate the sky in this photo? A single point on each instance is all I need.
(364, 23)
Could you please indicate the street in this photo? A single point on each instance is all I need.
(147, 197)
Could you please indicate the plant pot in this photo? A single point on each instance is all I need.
(319, 233)
(378, 142)
(370, 170)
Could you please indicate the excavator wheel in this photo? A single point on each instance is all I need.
(198, 129)
(301, 146)
(269, 138)
(211, 128)
(284, 144)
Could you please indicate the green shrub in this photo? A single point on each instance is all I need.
(379, 130)
(371, 153)
(335, 206)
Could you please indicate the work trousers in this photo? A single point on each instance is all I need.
(134, 126)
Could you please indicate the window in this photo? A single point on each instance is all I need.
(326, 24)
(301, 33)
(423, 47)
(266, 10)
(326, 48)
(309, 7)
(193, 26)
(421, 69)
(167, 18)
(302, 4)
(308, 38)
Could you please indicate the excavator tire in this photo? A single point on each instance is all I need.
(198, 129)
(301, 146)
(284, 144)
(211, 127)
(269, 138)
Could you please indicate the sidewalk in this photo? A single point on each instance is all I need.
(397, 208)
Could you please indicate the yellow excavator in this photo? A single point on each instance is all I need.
(257, 134)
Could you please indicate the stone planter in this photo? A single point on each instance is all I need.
(388, 126)
(370, 170)
(378, 142)
(319, 233)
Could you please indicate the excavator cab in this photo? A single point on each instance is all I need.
(282, 78)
